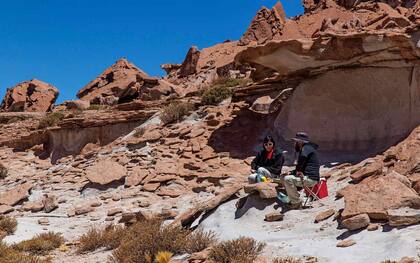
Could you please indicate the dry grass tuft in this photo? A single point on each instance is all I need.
(287, 260)
(41, 244)
(199, 240)
(110, 238)
(10, 255)
(241, 250)
(147, 238)
(51, 119)
(8, 224)
(175, 112)
(163, 257)
(3, 171)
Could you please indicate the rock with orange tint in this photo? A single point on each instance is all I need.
(33, 96)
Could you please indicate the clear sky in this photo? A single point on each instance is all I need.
(70, 42)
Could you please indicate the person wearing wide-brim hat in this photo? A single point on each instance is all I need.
(307, 169)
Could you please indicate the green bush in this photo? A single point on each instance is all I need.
(96, 107)
(175, 112)
(241, 250)
(220, 90)
(51, 119)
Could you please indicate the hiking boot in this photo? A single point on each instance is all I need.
(295, 206)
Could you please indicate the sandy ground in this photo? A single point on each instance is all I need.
(297, 235)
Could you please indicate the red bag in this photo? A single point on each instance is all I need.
(321, 188)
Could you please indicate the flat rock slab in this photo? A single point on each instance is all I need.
(346, 243)
(356, 222)
(369, 170)
(105, 172)
(15, 195)
(266, 190)
(274, 216)
(324, 215)
(404, 217)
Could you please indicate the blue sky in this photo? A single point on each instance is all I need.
(69, 42)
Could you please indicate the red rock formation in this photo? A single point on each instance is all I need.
(265, 25)
(124, 82)
(33, 96)
(189, 66)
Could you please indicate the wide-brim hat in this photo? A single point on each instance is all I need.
(301, 137)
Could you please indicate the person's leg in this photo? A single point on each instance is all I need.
(309, 182)
(290, 183)
(264, 172)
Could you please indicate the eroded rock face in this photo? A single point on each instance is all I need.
(123, 82)
(346, 116)
(33, 96)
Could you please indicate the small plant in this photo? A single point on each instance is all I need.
(220, 90)
(163, 257)
(96, 107)
(287, 260)
(241, 250)
(17, 119)
(110, 238)
(10, 255)
(3, 171)
(146, 238)
(90, 241)
(40, 244)
(51, 119)
(199, 240)
(8, 224)
(175, 111)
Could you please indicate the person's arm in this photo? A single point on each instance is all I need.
(256, 161)
(278, 164)
(302, 161)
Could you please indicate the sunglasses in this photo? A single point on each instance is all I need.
(268, 144)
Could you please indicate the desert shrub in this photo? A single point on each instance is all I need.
(146, 238)
(163, 257)
(287, 260)
(17, 119)
(10, 255)
(90, 241)
(241, 250)
(220, 90)
(3, 171)
(51, 119)
(41, 244)
(8, 224)
(110, 238)
(199, 240)
(389, 261)
(96, 107)
(175, 111)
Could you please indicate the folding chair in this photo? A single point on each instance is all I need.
(316, 192)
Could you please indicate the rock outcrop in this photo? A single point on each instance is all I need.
(265, 26)
(381, 75)
(124, 82)
(32, 96)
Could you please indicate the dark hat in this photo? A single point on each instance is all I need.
(301, 137)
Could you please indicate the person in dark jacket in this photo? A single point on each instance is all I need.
(307, 169)
(268, 162)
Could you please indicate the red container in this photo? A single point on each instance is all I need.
(321, 188)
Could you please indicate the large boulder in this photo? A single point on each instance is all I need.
(33, 95)
(16, 194)
(374, 197)
(105, 172)
(123, 82)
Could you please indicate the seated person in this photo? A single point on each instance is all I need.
(307, 169)
(267, 163)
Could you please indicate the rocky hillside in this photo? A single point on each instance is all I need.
(142, 168)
